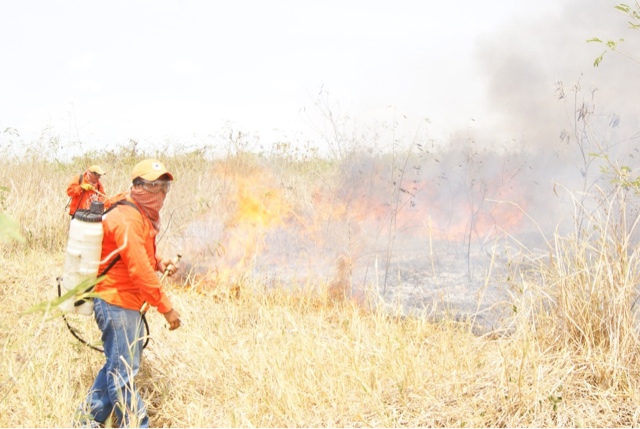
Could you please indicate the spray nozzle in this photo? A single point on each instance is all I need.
(173, 264)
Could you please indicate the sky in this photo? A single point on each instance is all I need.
(104, 73)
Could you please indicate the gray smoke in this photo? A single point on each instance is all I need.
(541, 81)
(525, 64)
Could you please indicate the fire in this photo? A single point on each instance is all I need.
(256, 207)
(262, 208)
(266, 224)
(414, 204)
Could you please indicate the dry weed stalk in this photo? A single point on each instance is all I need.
(579, 300)
(276, 357)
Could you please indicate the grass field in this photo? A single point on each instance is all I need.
(257, 355)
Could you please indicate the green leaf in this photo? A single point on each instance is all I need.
(623, 7)
(80, 291)
(9, 229)
(598, 60)
(595, 39)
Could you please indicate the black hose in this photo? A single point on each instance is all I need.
(98, 349)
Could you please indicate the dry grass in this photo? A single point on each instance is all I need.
(252, 356)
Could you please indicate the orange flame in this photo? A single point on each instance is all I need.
(258, 204)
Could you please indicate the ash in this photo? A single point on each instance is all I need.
(408, 275)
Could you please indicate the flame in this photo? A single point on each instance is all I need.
(454, 217)
(257, 206)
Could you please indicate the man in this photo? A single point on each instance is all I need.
(85, 188)
(130, 285)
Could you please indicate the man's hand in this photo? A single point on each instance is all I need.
(173, 318)
(168, 266)
(87, 187)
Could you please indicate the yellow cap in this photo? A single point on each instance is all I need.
(96, 169)
(149, 169)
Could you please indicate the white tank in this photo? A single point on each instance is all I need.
(82, 258)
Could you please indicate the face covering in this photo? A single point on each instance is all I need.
(150, 203)
(91, 178)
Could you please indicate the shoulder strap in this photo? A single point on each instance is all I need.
(119, 203)
(111, 264)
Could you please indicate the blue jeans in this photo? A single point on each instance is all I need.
(114, 388)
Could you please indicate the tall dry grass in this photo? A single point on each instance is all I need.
(282, 356)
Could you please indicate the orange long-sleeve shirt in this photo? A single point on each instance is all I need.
(132, 280)
(81, 199)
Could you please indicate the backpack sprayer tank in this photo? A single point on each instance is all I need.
(82, 258)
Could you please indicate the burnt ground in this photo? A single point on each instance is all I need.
(410, 274)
